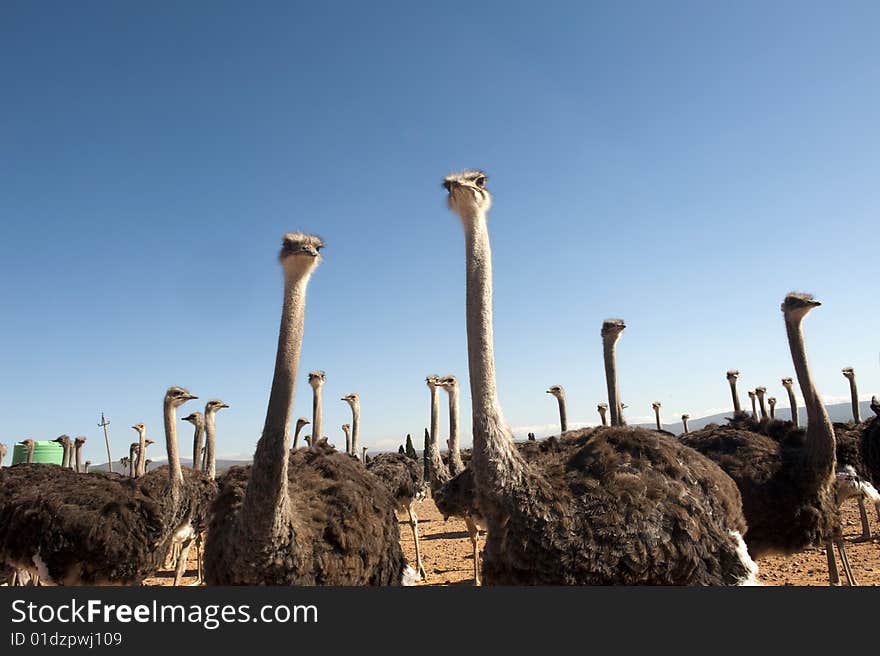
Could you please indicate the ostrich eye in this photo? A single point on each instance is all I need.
(481, 181)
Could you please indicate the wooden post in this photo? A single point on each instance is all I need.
(104, 423)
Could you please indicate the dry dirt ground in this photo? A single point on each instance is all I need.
(446, 554)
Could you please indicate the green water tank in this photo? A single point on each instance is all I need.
(47, 452)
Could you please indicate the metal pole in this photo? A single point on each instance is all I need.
(104, 423)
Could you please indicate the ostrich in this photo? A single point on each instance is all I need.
(93, 530)
(611, 330)
(760, 392)
(684, 422)
(848, 485)
(64, 441)
(771, 401)
(364, 454)
(787, 484)
(316, 380)
(858, 448)
(402, 476)
(788, 384)
(583, 513)
(197, 419)
(307, 517)
(346, 428)
(29, 446)
(753, 395)
(850, 375)
(656, 406)
(212, 407)
(300, 423)
(354, 402)
(133, 457)
(732, 377)
(559, 393)
(86, 466)
(603, 413)
(141, 448)
(435, 470)
(450, 384)
(77, 451)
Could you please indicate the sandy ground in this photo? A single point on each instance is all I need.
(446, 554)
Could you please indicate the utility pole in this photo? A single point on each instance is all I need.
(104, 423)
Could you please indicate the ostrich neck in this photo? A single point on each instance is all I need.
(609, 351)
(854, 393)
(563, 420)
(133, 460)
(762, 406)
(604, 415)
(317, 413)
(456, 465)
(175, 474)
(657, 416)
(347, 442)
(142, 457)
(266, 510)
(355, 428)
(793, 403)
(737, 408)
(65, 459)
(30, 454)
(210, 443)
(820, 444)
(296, 433)
(78, 460)
(438, 470)
(197, 447)
(497, 465)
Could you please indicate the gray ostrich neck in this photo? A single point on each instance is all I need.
(133, 457)
(355, 428)
(296, 433)
(563, 421)
(657, 417)
(603, 413)
(197, 446)
(762, 406)
(685, 424)
(317, 413)
(347, 442)
(30, 454)
(210, 443)
(754, 408)
(609, 351)
(267, 507)
(78, 460)
(497, 465)
(456, 465)
(142, 453)
(175, 473)
(737, 408)
(820, 444)
(854, 394)
(439, 473)
(792, 400)
(65, 459)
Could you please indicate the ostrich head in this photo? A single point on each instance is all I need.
(468, 196)
(302, 421)
(611, 329)
(346, 428)
(214, 405)
(79, 441)
(556, 390)
(316, 379)
(848, 373)
(449, 382)
(140, 427)
(771, 400)
(63, 440)
(752, 394)
(796, 305)
(177, 396)
(685, 417)
(195, 418)
(875, 405)
(88, 463)
(300, 252)
(732, 375)
(352, 399)
(787, 383)
(656, 405)
(602, 407)
(760, 391)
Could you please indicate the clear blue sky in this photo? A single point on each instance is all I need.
(680, 165)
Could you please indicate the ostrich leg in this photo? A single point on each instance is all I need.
(414, 526)
(474, 534)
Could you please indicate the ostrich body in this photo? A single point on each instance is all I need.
(858, 448)
(354, 402)
(306, 517)
(300, 423)
(92, 530)
(603, 413)
(450, 384)
(316, 381)
(656, 406)
(788, 384)
(732, 377)
(850, 375)
(402, 476)
(787, 484)
(559, 393)
(584, 514)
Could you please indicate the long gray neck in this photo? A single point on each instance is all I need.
(439, 473)
(792, 400)
(133, 457)
(456, 465)
(603, 413)
(317, 413)
(497, 465)
(820, 444)
(78, 461)
(685, 424)
(65, 459)
(609, 351)
(296, 433)
(142, 453)
(737, 408)
(175, 473)
(355, 428)
(30, 454)
(657, 416)
(347, 431)
(763, 406)
(563, 421)
(267, 507)
(754, 408)
(197, 446)
(854, 393)
(210, 444)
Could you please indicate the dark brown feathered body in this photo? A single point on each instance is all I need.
(858, 446)
(787, 508)
(86, 530)
(401, 475)
(201, 493)
(344, 529)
